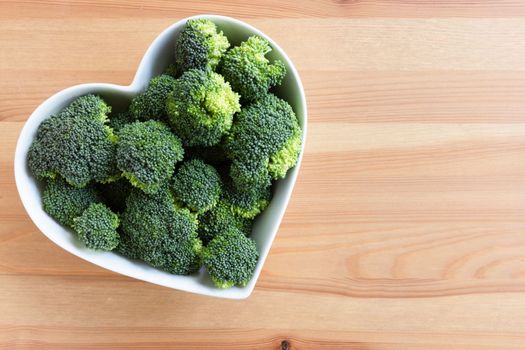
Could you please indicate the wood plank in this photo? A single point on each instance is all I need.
(341, 44)
(269, 8)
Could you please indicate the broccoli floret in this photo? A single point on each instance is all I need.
(89, 106)
(114, 194)
(220, 219)
(125, 246)
(246, 203)
(76, 144)
(160, 233)
(97, 227)
(199, 46)
(197, 185)
(147, 153)
(213, 155)
(249, 174)
(64, 202)
(230, 259)
(265, 132)
(249, 72)
(171, 70)
(151, 103)
(120, 120)
(201, 108)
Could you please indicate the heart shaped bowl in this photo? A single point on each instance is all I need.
(158, 56)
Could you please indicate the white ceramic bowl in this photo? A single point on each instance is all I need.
(156, 59)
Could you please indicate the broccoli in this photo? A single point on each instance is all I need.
(246, 203)
(231, 259)
(197, 185)
(120, 120)
(247, 175)
(199, 46)
(267, 132)
(147, 153)
(125, 246)
(114, 194)
(201, 108)
(76, 144)
(151, 103)
(171, 70)
(97, 227)
(64, 202)
(220, 219)
(249, 72)
(160, 233)
(177, 179)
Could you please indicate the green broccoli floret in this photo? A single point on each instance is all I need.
(265, 132)
(171, 70)
(120, 120)
(201, 108)
(213, 155)
(197, 185)
(151, 103)
(160, 233)
(125, 246)
(246, 203)
(249, 72)
(147, 153)
(64, 202)
(199, 46)
(220, 219)
(76, 144)
(249, 174)
(230, 259)
(114, 194)
(97, 227)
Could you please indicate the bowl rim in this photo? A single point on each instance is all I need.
(21, 175)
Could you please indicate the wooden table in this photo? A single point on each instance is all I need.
(406, 229)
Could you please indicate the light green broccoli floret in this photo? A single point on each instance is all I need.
(76, 143)
(147, 153)
(160, 233)
(199, 46)
(97, 227)
(231, 259)
(197, 185)
(201, 108)
(64, 202)
(151, 103)
(249, 72)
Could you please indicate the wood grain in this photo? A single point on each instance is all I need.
(406, 229)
